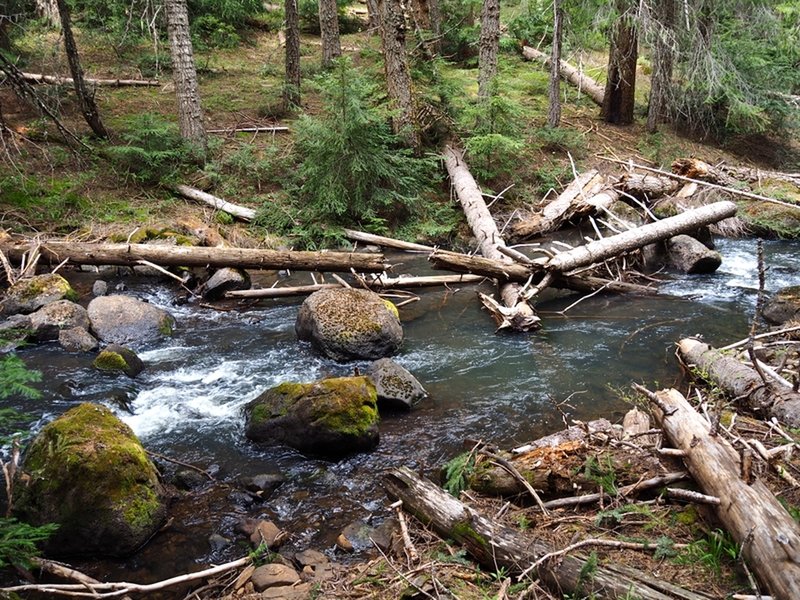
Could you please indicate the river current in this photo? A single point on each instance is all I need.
(504, 388)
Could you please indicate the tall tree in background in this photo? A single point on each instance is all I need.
(554, 90)
(398, 76)
(623, 51)
(85, 99)
(663, 58)
(329, 31)
(373, 16)
(291, 86)
(48, 11)
(488, 46)
(184, 73)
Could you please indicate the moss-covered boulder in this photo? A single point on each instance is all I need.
(783, 306)
(332, 417)
(396, 387)
(31, 294)
(118, 359)
(347, 324)
(49, 320)
(87, 472)
(119, 319)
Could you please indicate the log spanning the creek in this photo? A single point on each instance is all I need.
(763, 529)
(514, 312)
(741, 382)
(80, 253)
(498, 546)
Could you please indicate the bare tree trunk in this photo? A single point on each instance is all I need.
(488, 46)
(517, 313)
(184, 74)
(618, 99)
(85, 99)
(374, 15)
(577, 78)
(5, 41)
(554, 93)
(663, 51)
(329, 31)
(435, 15)
(291, 86)
(48, 11)
(768, 536)
(421, 13)
(398, 76)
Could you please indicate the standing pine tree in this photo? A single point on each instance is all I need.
(554, 90)
(488, 46)
(618, 100)
(184, 74)
(663, 53)
(329, 31)
(291, 86)
(398, 75)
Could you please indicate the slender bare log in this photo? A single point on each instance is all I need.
(379, 240)
(578, 78)
(241, 212)
(275, 129)
(61, 80)
(741, 382)
(190, 256)
(496, 545)
(767, 534)
(516, 314)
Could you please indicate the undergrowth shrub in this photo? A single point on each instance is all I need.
(353, 170)
(154, 150)
(208, 32)
(42, 200)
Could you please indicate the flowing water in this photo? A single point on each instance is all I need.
(504, 388)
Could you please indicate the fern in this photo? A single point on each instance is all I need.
(457, 471)
(18, 541)
(15, 377)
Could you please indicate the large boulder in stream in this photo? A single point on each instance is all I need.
(783, 306)
(48, 321)
(119, 319)
(347, 324)
(331, 417)
(87, 472)
(31, 294)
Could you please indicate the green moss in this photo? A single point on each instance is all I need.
(337, 410)
(139, 511)
(392, 308)
(771, 220)
(110, 361)
(463, 531)
(167, 325)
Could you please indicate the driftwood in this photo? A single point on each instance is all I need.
(767, 534)
(241, 212)
(271, 129)
(741, 382)
(587, 194)
(515, 312)
(54, 253)
(59, 80)
(647, 187)
(379, 283)
(498, 546)
(379, 240)
(580, 80)
(691, 256)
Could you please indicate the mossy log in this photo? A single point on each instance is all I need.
(498, 546)
(81, 253)
(763, 529)
(741, 382)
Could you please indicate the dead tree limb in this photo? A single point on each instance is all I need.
(515, 313)
(496, 545)
(60, 80)
(379, 240)
(767, 534)
(576, 77)
(741, 381)
(241, 212)
(191, 256)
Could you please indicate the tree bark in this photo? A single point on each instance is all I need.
(618, 99)
(184, 74)
(574, 76)
(398, 76)
(741, 382)
(329, 31)
(54, 253)
(374, 15)
(48, 11)
(647, 187)
(291, 86)
(554, 90)
(767, 534)
(435, 18)
(691, 256)
(498, 546)
(85, 99)
(663, 54)
(488, 47)
(520, 316)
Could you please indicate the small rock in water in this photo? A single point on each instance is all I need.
(100, 288)
(77, 339)
(241, 499)
(119, 358)
(225, 280)
(120, 287)
(268, 533)
(189, 479)
(356, 537)
(263, 484)
(396, 387)
(783, 306)
(217, 542)
(273, 575)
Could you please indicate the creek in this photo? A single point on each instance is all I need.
(503, 388)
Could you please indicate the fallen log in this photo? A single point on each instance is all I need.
(741, 382)
(379, 240)
(80, 253)
(515, 312)
(587, 194)
(768, 536)
(647, 187)
(691, 256)
(59, 80)
(576, 77)
(498, 546)
(272, 129)
(241, 212)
